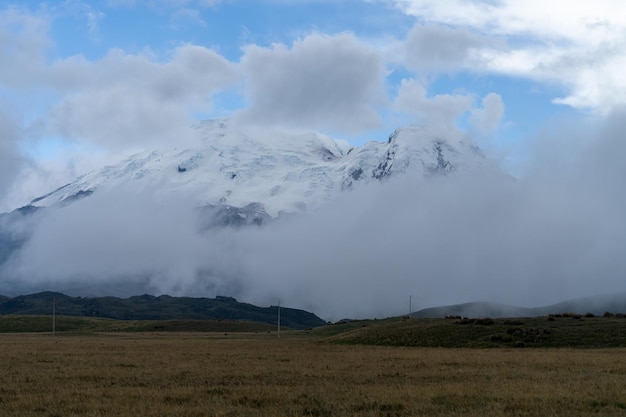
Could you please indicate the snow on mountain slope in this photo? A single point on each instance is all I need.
(277, 171)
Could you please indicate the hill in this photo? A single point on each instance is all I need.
(147, 307)
(597, 305)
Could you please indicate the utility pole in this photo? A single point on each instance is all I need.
(278, 333)
(54, 324)
(410, 305)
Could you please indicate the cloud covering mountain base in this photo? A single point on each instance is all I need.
(557, 233)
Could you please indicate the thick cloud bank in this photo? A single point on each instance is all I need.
(321, 82)
(555, 234)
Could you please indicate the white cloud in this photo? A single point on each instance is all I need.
(209, 3)
(579, 45)
(93, 21)
(10, 157)
(487, 119)
(185, 17)
(581, 21)
(23, 42)
(321, 82)
(440, 110)
(124, 99)
(164, 3)
(119, 100)
(443, 110)
(438, 48)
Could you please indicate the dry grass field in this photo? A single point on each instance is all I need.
(213, 374)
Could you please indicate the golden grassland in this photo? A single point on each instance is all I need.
(248, 374)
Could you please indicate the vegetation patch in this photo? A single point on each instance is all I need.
(566, 330)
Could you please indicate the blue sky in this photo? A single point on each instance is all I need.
(84, 83)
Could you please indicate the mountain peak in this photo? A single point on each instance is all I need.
(281, 171)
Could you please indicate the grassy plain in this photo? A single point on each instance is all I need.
(256, 374)
(89, 325)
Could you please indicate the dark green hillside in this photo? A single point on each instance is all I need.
(147, 307)
(567, 330)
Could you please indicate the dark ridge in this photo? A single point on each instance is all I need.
(49, 194)
(224, 215)
(164, 307)
(443, 166)
(78, 196)
(26, 210)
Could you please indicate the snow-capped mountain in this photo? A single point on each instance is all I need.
(256, 174)
(159, 222)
